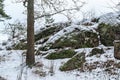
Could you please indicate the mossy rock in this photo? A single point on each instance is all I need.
(107, 33)
(52, 29)
(61, 54)
(20, 46)
(96, 51)
(74, 63)
(64, 43)
(81, 39)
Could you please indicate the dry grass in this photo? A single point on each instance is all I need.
(110, 66)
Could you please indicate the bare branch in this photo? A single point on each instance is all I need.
(24, 3)
(51, 14)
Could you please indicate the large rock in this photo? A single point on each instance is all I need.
(107, 33)
(74, 63)
(45, 33)
(50, 30)
(80, 39)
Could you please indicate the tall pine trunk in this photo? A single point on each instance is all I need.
(30, 57)
(117, 44)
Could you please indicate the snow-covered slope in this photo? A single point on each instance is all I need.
(12, 67)
(110, 18)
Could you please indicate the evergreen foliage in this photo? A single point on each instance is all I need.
(2, 12)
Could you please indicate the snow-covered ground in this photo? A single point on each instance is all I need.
(12, 67)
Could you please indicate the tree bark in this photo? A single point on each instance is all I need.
(117, 49)
(30, 57)
(117, 45)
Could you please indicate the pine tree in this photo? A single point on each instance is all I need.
(30, 57)
(2, 12)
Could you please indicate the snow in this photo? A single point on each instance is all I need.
(59, 18)
(3, 37)
(13, 63)
(15, 10)
(110, 18)
(8, 67)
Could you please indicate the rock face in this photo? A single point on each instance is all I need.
(45, 33)
(107, 33)
(50, 30)
(74, 63)
(81, 39)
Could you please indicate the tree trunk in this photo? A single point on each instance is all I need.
(30, 57)
(117, 45)
(117, 49)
